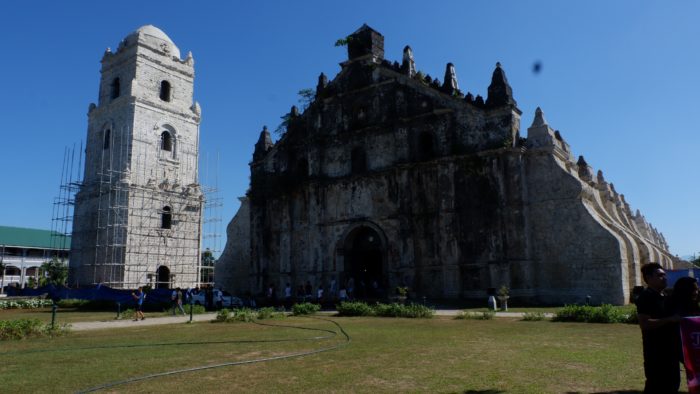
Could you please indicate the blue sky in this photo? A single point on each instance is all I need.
(619, 79)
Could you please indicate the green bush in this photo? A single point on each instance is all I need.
(196, 309)
(534, 316)
(73, 303)
(128, 313)
(305, 308)
(223, 315)
(592, 314)
(26, 328)
(243, 315)
(25, 304)
(354, 308)
(269, 313)
(400, 310)
(466, 315)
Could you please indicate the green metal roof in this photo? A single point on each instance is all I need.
(32, 238)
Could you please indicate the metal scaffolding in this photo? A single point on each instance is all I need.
(118, 235)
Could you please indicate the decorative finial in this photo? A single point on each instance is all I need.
(322, 83)
(450, 85)
(263, 145)
(408, 65)
(500, 92)
(584, 172)
(539, 118)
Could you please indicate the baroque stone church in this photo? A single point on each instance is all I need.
(392, 177)
(138, 213)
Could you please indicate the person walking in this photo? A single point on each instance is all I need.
(139, 296)
(179, 298)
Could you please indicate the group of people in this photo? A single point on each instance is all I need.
(321, 294)
(659, 316)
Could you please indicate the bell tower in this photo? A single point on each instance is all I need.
(138, 213)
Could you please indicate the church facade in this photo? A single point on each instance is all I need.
(394, 179)
(138, 213)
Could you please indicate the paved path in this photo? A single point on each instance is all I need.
(150, 321)
(160, 320)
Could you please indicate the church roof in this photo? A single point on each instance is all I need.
(154, 35)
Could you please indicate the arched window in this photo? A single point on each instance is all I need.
(165, 91)
(116, 89)
(166, 218)
(426, 146)
(105, 143)
(358, 160)
(166, 141)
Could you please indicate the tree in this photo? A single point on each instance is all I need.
(53, 272)
(306, 97)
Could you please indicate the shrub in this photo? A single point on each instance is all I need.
(305, 308)
(25, 328)
(128, 313)
(223, 315)
(399, 310)
(269, 313)
(243, 315)
(196, 309)
(591, 314)
(32, 303)
(354, 308)
(632, 317)
(73, 303)
(534, 316)
(488, 315)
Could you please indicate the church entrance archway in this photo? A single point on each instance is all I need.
(364, 269)
(163, 277)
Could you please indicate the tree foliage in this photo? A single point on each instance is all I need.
(54, 272)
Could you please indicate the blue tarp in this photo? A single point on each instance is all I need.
(674, 275)
(98, 293)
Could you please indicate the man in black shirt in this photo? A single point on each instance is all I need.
(660, 333)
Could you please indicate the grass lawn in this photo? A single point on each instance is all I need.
(384, 355)
(69, 315)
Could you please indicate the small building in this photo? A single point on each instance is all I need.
(24, 250)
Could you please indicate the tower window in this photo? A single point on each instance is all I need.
(105, 144)
(166, 218)
(116, 89)
(166, 141)
(165, 91)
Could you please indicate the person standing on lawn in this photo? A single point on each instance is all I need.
(660, 333)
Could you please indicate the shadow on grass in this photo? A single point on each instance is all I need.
(483, 392)
(610, 392)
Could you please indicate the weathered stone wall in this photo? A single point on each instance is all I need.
(457, 200)
(233, 269)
